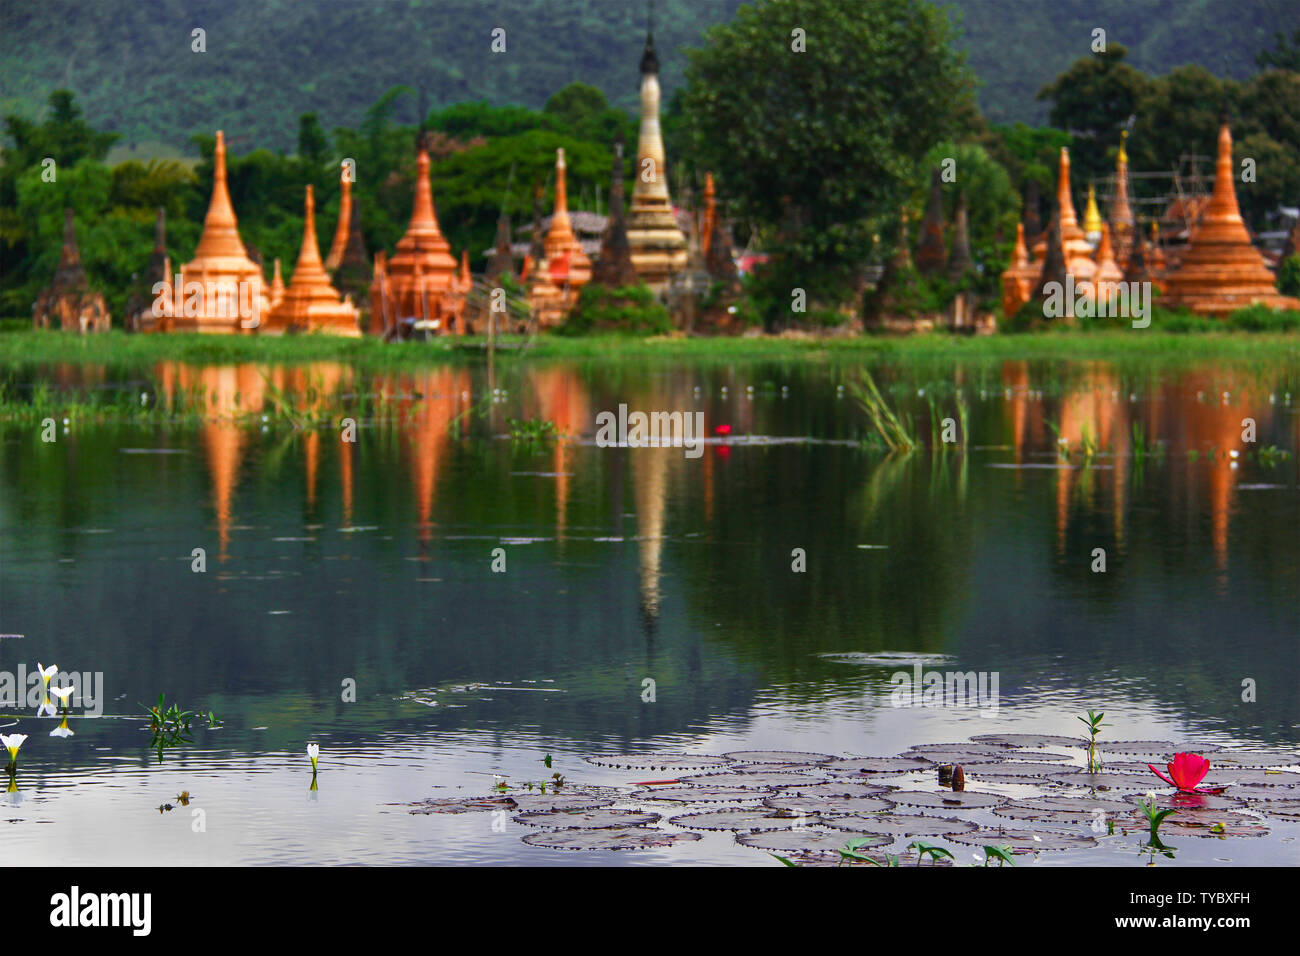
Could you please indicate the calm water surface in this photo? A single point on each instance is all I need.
(372, 562)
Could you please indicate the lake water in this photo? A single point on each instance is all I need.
(330, 562)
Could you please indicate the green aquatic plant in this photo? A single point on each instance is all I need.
(532, 431)
(785, 861)
(890, 428)
(1094, 725)
(1000, 853)
(850, 852)
(924, 849)
(1271, 455)
(170, 726)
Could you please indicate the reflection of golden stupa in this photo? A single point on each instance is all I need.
(310, 304)
(650, 481)
(233, 297)
(419, 280)
(1220, 270)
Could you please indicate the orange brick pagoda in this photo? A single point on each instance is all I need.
(564, 268)
(1221, 271)
(310, 303)
(419, 282)
(222, 288)
(69, 303)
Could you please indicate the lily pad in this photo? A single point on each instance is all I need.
(1011, 768)
(658, 761)
(761, 818)
(1252, 792)
(1063, 809)
(1022, 841)
(946, 800)
(901, 824)
(1256, 759)
(929, 751)
(963, 757)
(1285, 809)
(778, 756)
(827, 805)
(1156, 747)
(806, 841)
(1188, 802)
(879, 764)
(463, 804)
(834, 788)
(1211, 823)
(1252, 778)
(758, 778)
(586, 819)
(579, 800)
(1107, 780)
(1031, 740)
(701, 794)
(629, 838)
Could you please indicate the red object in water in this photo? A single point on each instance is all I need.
(723, 451)
(1185, 772)
(723, 429)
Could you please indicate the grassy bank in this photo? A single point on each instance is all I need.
(24, 347)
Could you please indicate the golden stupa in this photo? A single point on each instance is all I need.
(1075, 245)
(657, 243)
(310, 303)
(222, 289)
(1020, 278)
(1092, 217)
(568, 263)
(419, 280)
(1220, 270)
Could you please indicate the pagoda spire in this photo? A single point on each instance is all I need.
(564, 255)
(930, 253)
(1092, 216)
(658, 244)
(960, 261)
(220, 238)
(344, 224)
(310, 303)
(613, 268)
(1066, 218)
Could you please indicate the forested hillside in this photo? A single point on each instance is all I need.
(132, 66)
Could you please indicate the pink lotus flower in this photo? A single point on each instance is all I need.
(723, 429)
(1185, 772)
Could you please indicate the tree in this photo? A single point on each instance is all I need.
(816, 147)
(1093, 101)
(1286, 56)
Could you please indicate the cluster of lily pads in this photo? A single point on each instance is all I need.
(820, 809)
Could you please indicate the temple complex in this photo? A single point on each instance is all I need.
(1221, 271)
(419, 282)
(930, 253)
(69, 304)
(229, 296)
(658, 245)
(310, 303)
(139, 315)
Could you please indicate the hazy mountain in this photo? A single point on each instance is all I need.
(133, 68)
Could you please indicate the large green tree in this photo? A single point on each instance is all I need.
(814, 115)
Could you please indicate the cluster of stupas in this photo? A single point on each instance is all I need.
(1216, 273)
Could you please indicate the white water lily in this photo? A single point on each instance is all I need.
(47, 673)
(62, 693)
(47, 706)
(313, 752)
(11, 743)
